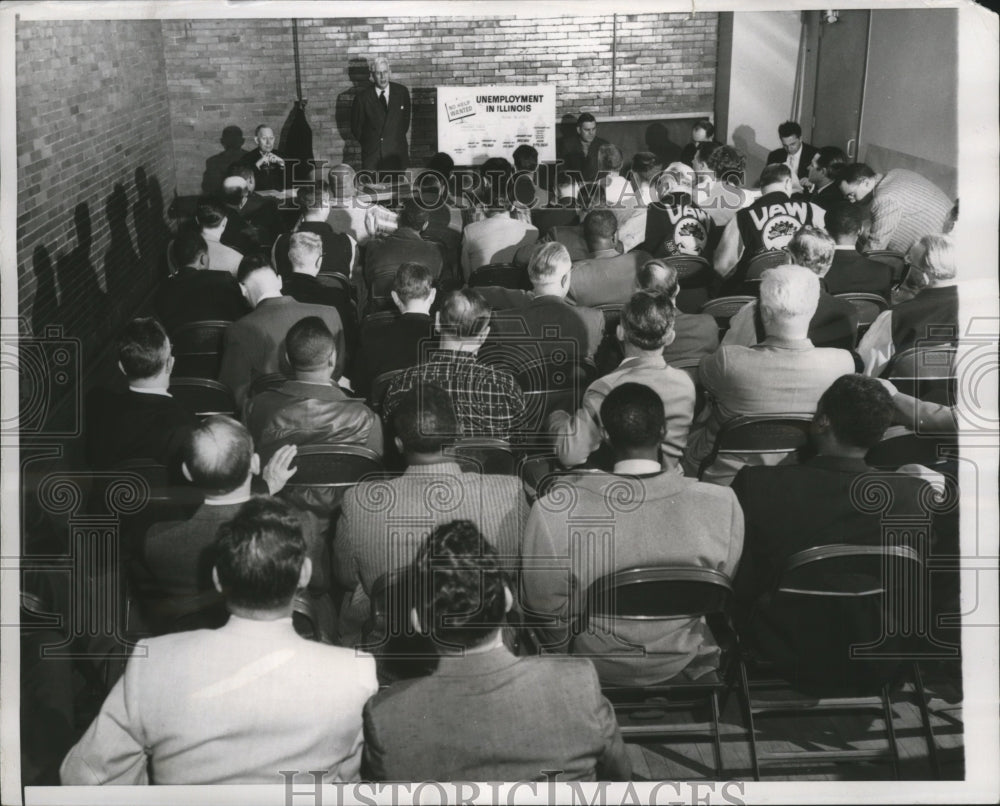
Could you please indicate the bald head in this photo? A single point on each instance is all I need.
(220, 456)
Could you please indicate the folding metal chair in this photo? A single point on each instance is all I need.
(759, 435)
(197, 348)
(926, 372)
(203, 396)
(724, 309)
(506, 275)
(484, 455)
(765, 260)
(868, 307)
(895, 260)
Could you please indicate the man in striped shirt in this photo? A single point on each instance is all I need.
(904, 207)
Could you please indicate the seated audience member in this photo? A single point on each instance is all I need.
(851, 270)
(606, 275)
(720, 173)
(400, 344)
(931, 317)
(254, 345)
(444, 225)
(144, 421)
(541, 714)
(617, 189)
(701, 132)
(784, 373)
(835, 323)
(311, 409)
(179, 716)
(546, 316)
(646, 327)
(193, 293)
(211, 220)
(239, 233)
(496, 238)
(695, 334)
(258, 215)
(904, 206)
(350, 211)
(561, 211)
(824, 171)
(384, 256)
(369, 544)
(820, 507)
(766, 225)
(488, 401)
(645, 168)
(674, 224)
(580, 152)
(794, 153)
(269, 169)
(526, 176)
(340, 252)
(681, 522)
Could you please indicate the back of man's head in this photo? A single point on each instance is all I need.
(858, 409)
(188, 247)
(413, 281)
(259, 555)
(645, 164)
(658, 277)
(442, 164)
(305, 251)
(609, 157)
(143, 349)
(219, 455)
(843, 221)
(789, 129)
(251, 264)
(548, 264)
(235, 191)
(210, 214)
(937, 261)
(525, 158)
(648, 320)
(632, 415)
(789, 293)
(676, 180)
(774, 175)
(496, 173)
(424, 419)
(341, 182)
(241, 170)
(813, 248)
(314, 196)
(728, 164)
(464, 314)
(599, 229)
(310, 345)
(566, 187)
(831, 159)
(413, 215)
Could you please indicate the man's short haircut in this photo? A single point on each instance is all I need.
(548, 261)
(461, 600)
(210, 213)
(706, 126)
(831, 159)
(219, 454)
(633, 416)
(424, 419)
(599, 224)
(340, 179)
(644, 163)
(789, 129)
(234, 191)
(260, 128)
(775, 174)
(143, 348)
(464, 314)
(813, 248)
(309, 344)
(252, 262)
(585, 117)
(244, 172)
(859, 410)
(413, 281)
(843, 219)
(658, 277)
(855, 172)
(496, 173)
(187, 246)
(313, 196)
(675, 178)
(789, 291)
(259, 554)
(939, 257)
(413, 215)
(609, 157)
(647, 319)
(728, 164)
(441, 163)
(525, 158)
(304, 249)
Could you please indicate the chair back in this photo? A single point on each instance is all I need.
(925, 372)
(335, 280)
(380, 385)
(766, 260)
(506, 275)
(658, 592)
(484, 455)
(724, 309)
(333, 466)
(272, 380)
(197, 348)
(692, 270)
(868, 307)
(847, 571)
(550, 383)
(612, 312)
(203, 396)
(759, 434)
(895, 260)
(378, 319)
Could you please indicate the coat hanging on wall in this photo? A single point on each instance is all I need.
(296, 134)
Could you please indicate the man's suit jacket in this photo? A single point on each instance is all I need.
(199, 295)
(495, 717)
(852, 271)
(570, 236)
(229, 706)
(382, 134)
(255, 344)
(605, 277)
(545, 218)
(384, 256)
(695, 336)
(496, 240)
(829, 197)
(779, 155)
(272, 177)
(396, 345)
(549, 321)
(574, 159)
(658, 519)
(835, 324)
(314, 291)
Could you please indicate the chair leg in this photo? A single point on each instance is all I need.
(748, 715)
(925, 718)
(890, 730)
(716, 737)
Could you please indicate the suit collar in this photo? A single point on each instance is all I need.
(476, 664)
(316, 391)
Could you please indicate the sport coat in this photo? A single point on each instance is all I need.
(382, 133)
(605, 277)
(550, 321)
(853, 271)
(779, 155)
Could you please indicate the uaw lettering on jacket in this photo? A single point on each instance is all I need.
(795, 209)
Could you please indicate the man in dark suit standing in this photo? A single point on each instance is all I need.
(380, 119)
(793, 152)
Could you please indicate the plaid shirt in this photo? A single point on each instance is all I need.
(488, 401)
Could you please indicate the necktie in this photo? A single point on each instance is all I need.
(383, 101)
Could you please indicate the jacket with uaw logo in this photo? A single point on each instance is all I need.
(675, 226)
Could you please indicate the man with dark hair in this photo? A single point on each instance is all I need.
(488, 400)
(851, 270)
(144, 421)
(605, 275)
(766, 225)
(400, 343)
(236, 704)
(794, 153)
(211, 220)
(616, 188)
(254, 345)
(498, 236)
(701, 132)
(257, 209)
(384, 256)
(269, 169)
(193, 293)
(433, 490)
(820, 506)
(340, 250)
(904, 205)
(541, 714)
(645, 167)
(824, 171)
(646, 327)
(580, 152)
(525, 177)
(695, 334)
(680, 522)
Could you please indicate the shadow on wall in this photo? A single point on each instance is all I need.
(357, 73)
(745, 140)
(232, 141)
(423, 126)
(658, 141)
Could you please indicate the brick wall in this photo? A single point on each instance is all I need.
(222, 72)
(95, 170)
